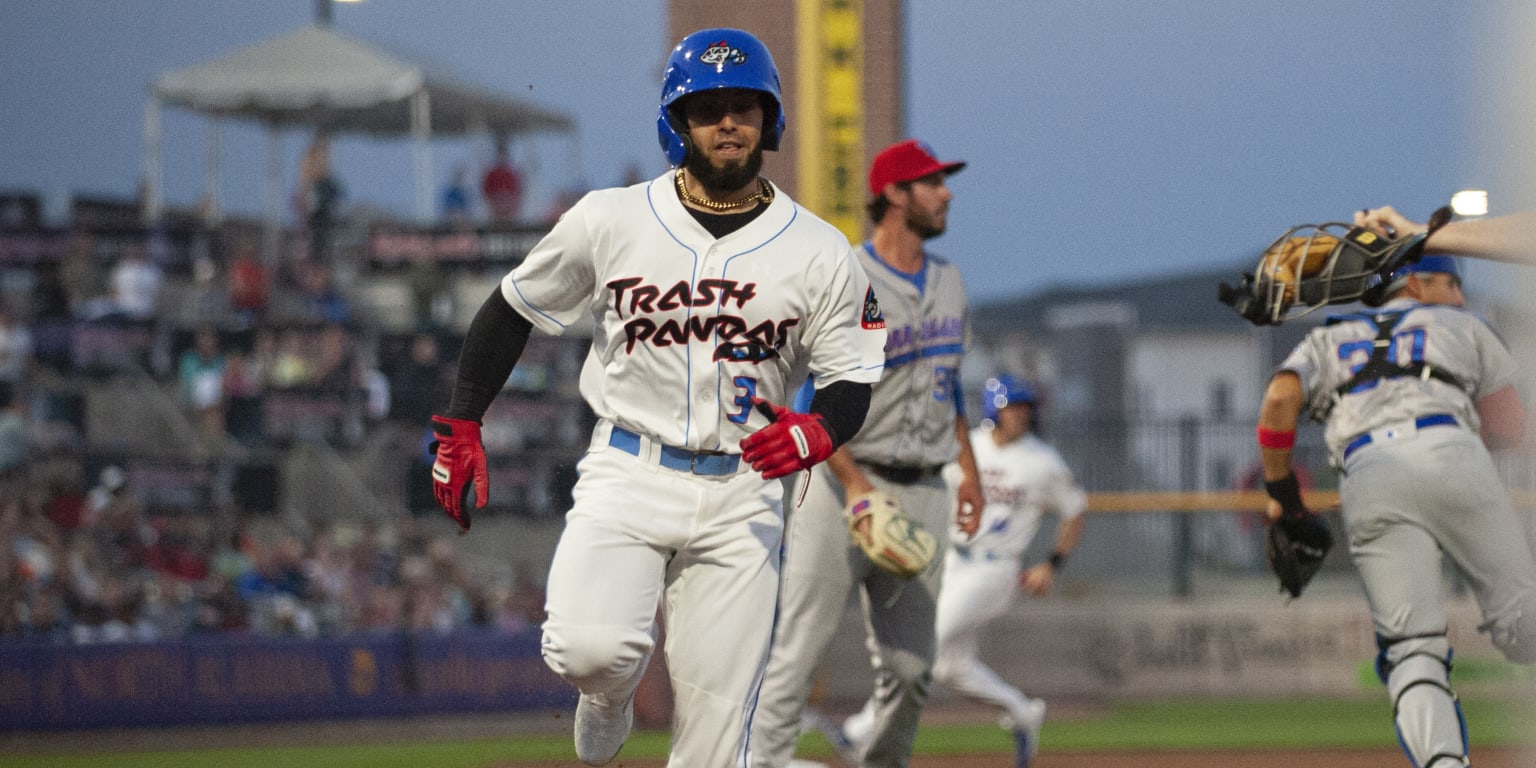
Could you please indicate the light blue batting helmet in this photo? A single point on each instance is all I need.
(717, 58)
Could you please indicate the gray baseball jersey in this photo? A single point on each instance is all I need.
(912, 414)
(911, 424)
(1460, 344)
(1417, 482)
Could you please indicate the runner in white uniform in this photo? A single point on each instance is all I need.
(700, 311)
(1024, 478)
(915, 427)
(1414, 394)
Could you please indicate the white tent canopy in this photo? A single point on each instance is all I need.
(316, 77)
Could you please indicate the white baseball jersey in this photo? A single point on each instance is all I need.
(1021, 481)
(911, 418)
(687, 328)
(1449, 339)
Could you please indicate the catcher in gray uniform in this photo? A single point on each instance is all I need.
(1414, 394)
(916, 425)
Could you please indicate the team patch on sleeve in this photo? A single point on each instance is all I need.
(873, 318)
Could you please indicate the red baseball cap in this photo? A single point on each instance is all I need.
(908, 160)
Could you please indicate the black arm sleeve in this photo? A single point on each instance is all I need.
(492, 346)
(843, 404)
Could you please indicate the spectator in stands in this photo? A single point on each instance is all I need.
(420, 384)
(180, 548)
(244, 386)
(16, 348)
(115, 519)
(200, 373)
(135, 285)
(328, 569)
(317, 201)
(333, 365)
(64, 505)
(455, 198)
(80, 273)
(503, 187)
(248, 284)
(15, 443)
(522, 607)
(323, 299)
(209, 300)
(431, 299)
(291, 365)
(275, 587)
(261, 363)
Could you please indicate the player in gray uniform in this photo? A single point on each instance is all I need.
(1414, 395)
(915, 426)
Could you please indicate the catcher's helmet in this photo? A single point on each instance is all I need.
(717, 58)
(1004, 390)
(1430, 263)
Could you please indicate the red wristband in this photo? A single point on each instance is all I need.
(1274, 438)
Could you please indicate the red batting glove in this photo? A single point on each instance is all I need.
(791, 441)
(460, 460)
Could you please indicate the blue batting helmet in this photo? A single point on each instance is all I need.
(718, 58)
(1426, 263)
(1004, 390)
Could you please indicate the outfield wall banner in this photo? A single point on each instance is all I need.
(231, 679)
(1227, 648)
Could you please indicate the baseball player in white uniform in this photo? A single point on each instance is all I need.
(1414, 394)
(712, 296)
(916, 425)
(1024, 478)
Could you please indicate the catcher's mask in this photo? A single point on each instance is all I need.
(1315, 265)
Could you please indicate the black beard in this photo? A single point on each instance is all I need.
(924, 230)
(722, 181)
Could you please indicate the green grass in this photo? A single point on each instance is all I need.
(1127, 726)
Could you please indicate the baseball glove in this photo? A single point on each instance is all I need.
(894, 542)
(1296, 545)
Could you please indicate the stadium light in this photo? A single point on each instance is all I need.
(1470, 202)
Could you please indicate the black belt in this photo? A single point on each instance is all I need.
(904, 475)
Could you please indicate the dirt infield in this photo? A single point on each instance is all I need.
(1372, 758)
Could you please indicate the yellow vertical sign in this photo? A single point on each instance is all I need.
(830, 94)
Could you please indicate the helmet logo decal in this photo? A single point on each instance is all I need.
(722, 53)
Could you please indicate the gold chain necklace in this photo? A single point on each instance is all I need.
(763, 194)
